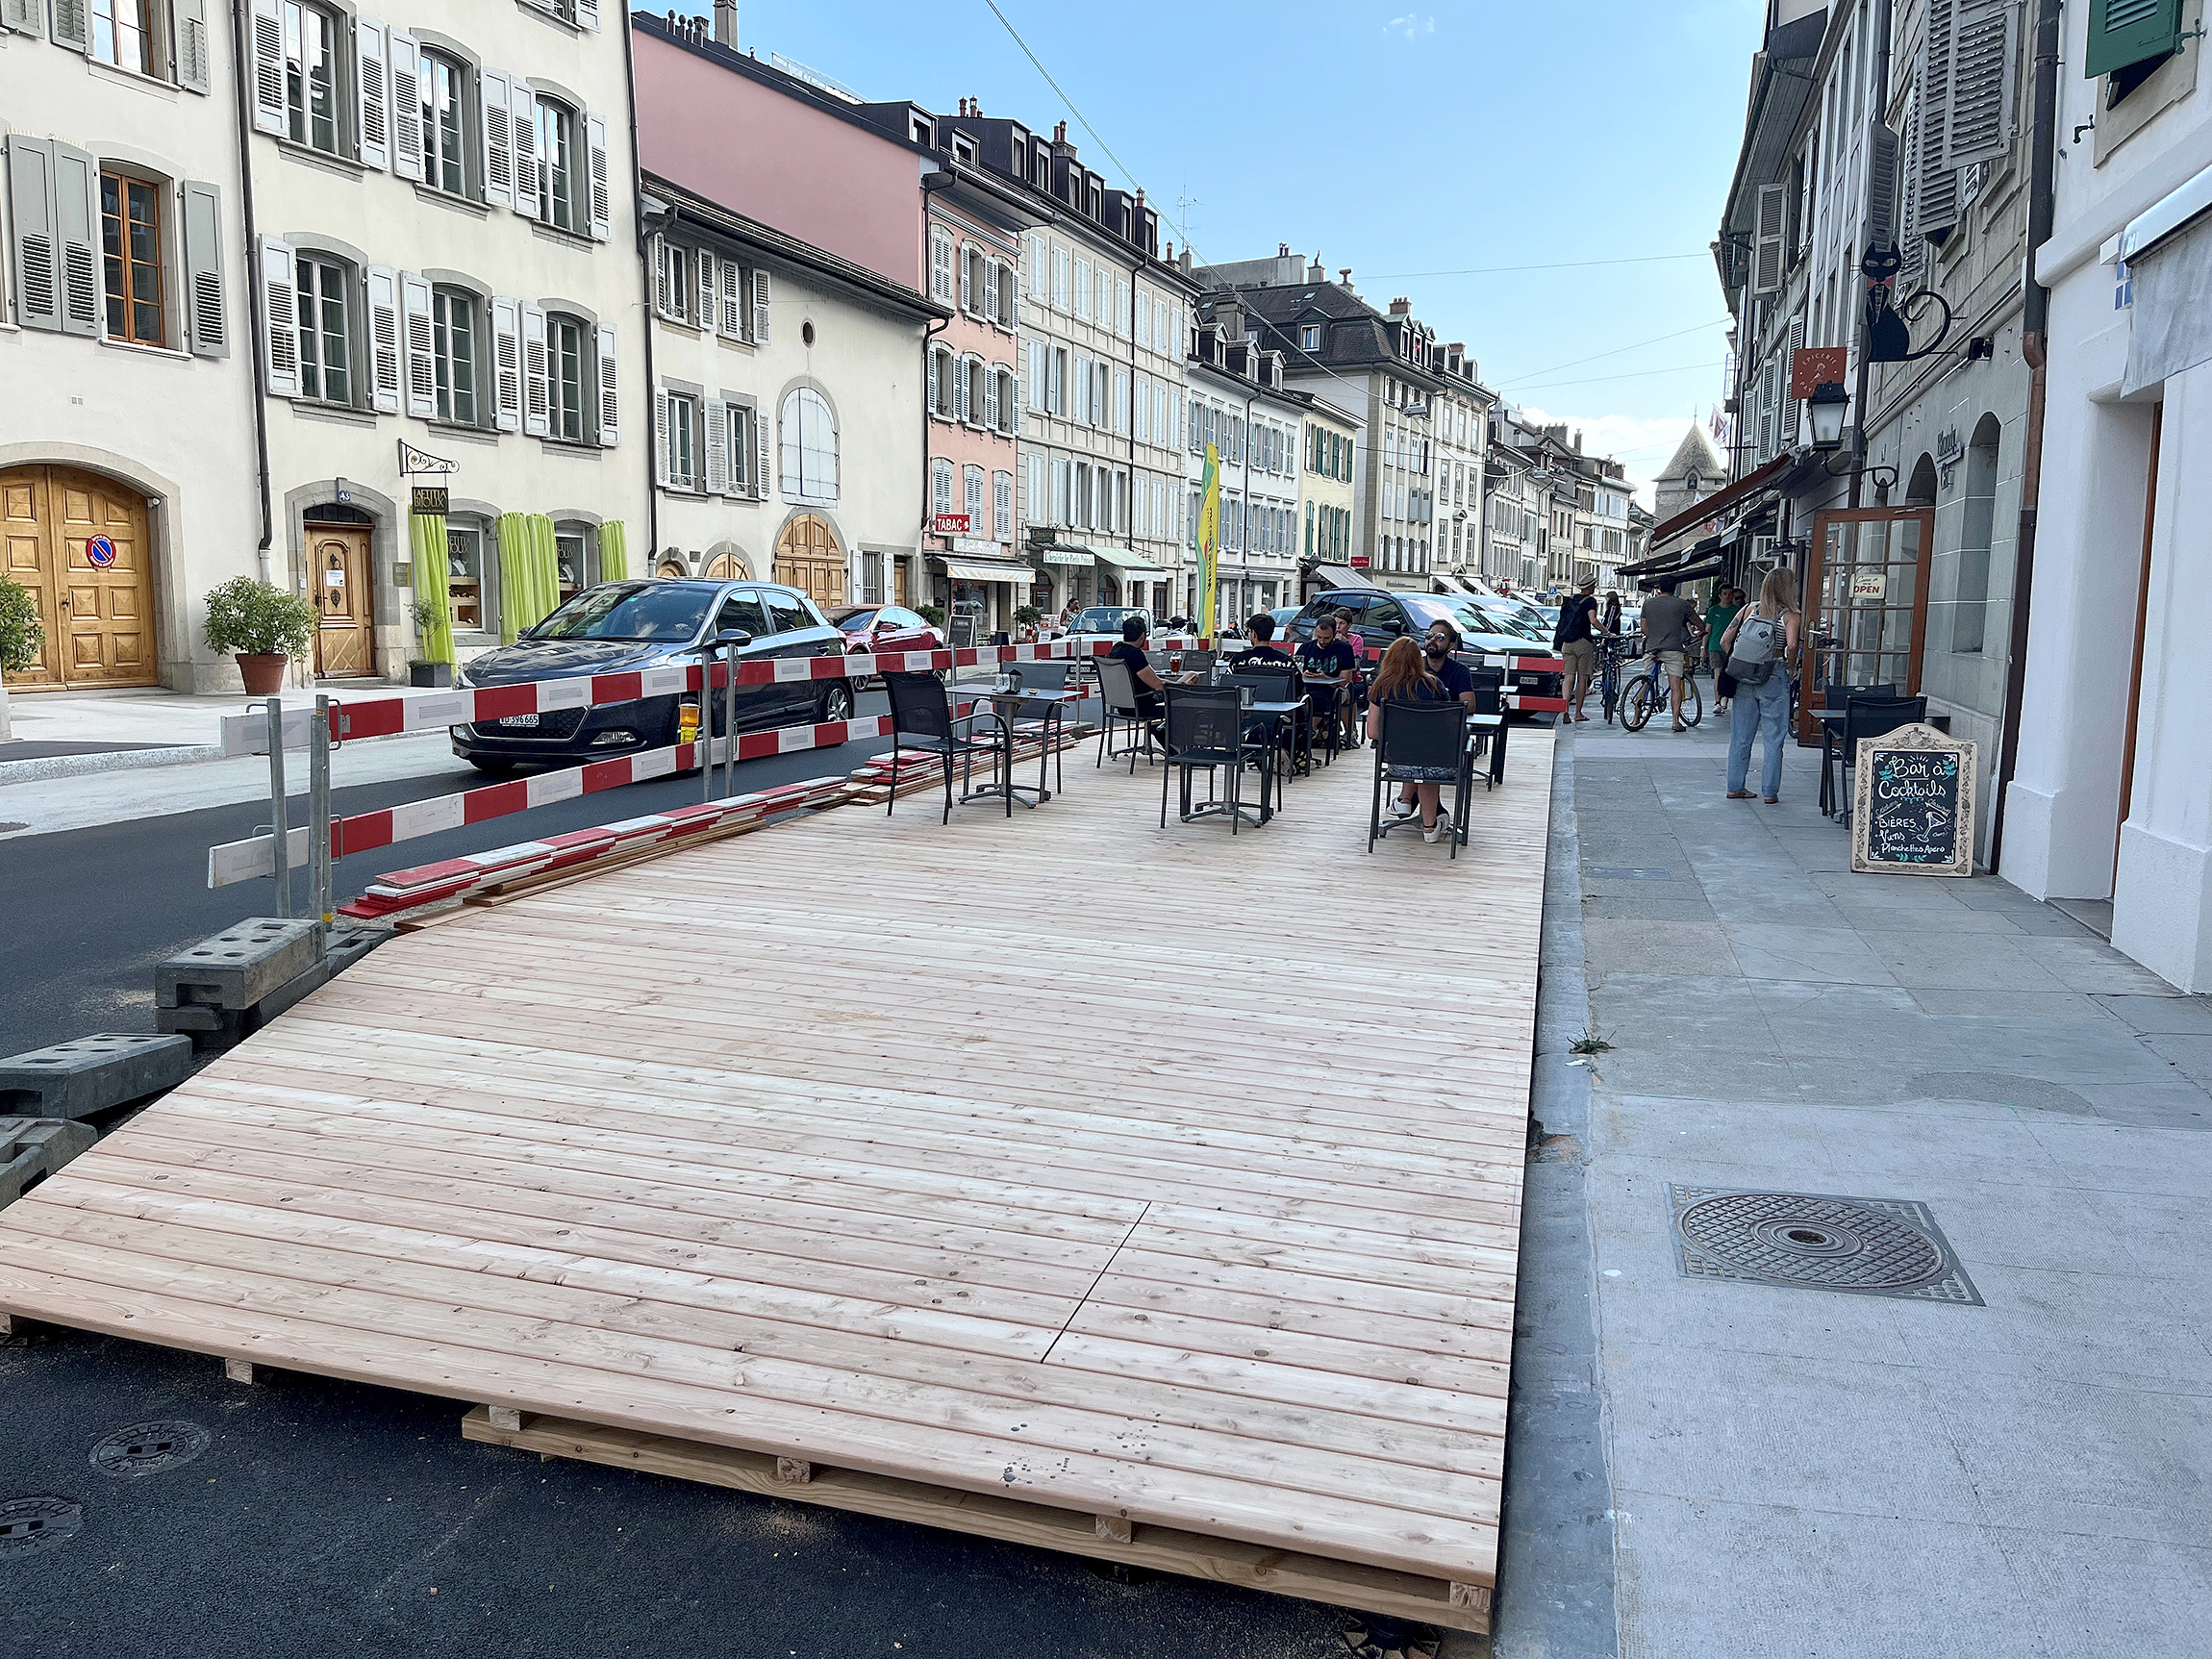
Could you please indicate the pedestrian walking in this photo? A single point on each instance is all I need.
(1762, 652)
(1572, 637)
(1668, 622)
(1611, 626)
(1726, 602)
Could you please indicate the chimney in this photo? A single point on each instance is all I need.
(1345, 276)
(1282, 250)
(1401, 306)
(1060, 144)
(1186, 260)
(726, 23)
(1317, 272)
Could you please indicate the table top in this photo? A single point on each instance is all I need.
(1019, 694)
(1835, 717)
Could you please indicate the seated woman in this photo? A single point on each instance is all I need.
(1404, 678)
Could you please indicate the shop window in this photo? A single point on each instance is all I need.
(311, 76)
(453, 353)
(464, 579)
(130, 245)
(325, 345)
(570, 549)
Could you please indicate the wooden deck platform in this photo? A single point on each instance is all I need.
(1130, 1178)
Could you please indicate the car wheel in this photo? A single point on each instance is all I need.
(837, 702)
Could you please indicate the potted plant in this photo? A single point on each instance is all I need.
(933, 614)
(421, 671)
(1026, 618)
(262, 627)
(21, 637)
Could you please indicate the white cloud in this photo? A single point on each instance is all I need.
(1412, 25)
(1640, 442)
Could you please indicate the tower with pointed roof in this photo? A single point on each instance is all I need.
(1695, 471)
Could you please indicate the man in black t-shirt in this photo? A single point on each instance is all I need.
(1260, 629)
(1328, 661)
(1576, 640)
(1136, 636)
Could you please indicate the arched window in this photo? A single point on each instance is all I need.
(809, 470)
(1978, 522)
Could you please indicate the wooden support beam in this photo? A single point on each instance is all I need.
(1114, 1528)
(1474, 1598)
(241, 1371)
(508, 1418)
(794, 1470)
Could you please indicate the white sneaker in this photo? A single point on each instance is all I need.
(1405, 809)
(1433, 836)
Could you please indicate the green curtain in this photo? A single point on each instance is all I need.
(613, 552)
(426, 545)
(529, 577)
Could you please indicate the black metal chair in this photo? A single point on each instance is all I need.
(1280, 683)
(1120, 705)
(1046, 722)
(1486, 731)
(1871, 716)
(1422, 742)
(1205, 728)
(922, 718)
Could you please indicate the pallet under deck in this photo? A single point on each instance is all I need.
(1147, 1194)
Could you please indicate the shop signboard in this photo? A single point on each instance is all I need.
(1914, 807)
(949, 524)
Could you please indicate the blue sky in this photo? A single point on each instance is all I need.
(1412, 145)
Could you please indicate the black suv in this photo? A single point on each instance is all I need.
(620, 627)
(1381, 615)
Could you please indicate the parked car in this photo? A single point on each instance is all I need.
(870, 629)
(618, 627)
(1102, 622)
(1285, 616)
(1380, 615)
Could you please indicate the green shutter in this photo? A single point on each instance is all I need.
(2124, 32)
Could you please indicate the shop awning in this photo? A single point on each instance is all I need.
(988, 570)
(1342, 577)
(1131, 564)
(1712, 507)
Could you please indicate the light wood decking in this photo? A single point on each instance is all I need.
(1154, 1176)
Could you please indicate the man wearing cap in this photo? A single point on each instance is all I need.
(1577, 647)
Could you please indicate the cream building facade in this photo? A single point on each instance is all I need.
(1325, 549)
(127, 451)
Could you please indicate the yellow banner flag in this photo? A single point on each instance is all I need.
(1209, 543)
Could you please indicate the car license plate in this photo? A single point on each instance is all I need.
(519, 722)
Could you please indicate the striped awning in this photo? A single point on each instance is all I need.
(988, 570)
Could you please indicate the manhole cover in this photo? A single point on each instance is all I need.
(29, 1524)
(1865, 1246)
(1371, 1636)
(148, 1447)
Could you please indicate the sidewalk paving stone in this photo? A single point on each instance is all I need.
(1968, 962)
(2178, 1016)
(2101, 1598)
(1773, 950)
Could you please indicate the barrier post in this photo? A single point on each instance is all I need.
(319, 817)
(282, 861)
(730, 722)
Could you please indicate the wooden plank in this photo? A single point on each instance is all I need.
(1157, 1549)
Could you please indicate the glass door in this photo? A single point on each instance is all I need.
(1866, 604)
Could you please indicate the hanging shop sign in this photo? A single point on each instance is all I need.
(1812, 366)
(430, 500)
(949, 524)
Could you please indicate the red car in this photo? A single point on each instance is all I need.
(868, 629)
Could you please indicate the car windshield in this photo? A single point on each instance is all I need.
(654, 611)
(1465, 614)
(851, 617)
(1103, 618)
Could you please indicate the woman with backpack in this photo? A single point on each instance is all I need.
(1761, 643)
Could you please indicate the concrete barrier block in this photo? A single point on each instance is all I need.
(91, 1073)
(239, 965)
(33, 1148)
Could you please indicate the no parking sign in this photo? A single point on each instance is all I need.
(100, 550)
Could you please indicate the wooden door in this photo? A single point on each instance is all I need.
(902, 581)
(78, 543)
(808, 559)
(346, 636)
(1865, 604)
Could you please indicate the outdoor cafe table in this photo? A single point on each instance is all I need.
(1832, 749)
(1007, 705)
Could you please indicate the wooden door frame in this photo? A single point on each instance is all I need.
(1816, 548)
(310, 530)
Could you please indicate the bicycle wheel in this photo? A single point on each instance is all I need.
(1693, 703)
(1637, 709)
(1609, 689)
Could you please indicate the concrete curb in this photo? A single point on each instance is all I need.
(115, 761)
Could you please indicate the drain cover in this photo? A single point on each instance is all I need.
(1865, 1246)
(29, 1524)
(148, 1447)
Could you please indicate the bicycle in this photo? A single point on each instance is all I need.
(1612, 652)
(1649, 693)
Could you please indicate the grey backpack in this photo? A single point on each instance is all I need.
(1759, 643)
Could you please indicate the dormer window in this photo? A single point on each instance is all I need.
(918, 128)
(1097, 200)
(964, 148)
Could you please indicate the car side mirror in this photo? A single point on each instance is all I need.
(730, 636)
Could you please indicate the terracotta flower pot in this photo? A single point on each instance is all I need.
(264, 671)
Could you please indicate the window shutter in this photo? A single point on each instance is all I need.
(1881, 220)
(760, 307)
(506, 365)
(1122, 308)
(38, 266)
(279, 314)
(990, 398)
(963, 402)
(710, 271)
(537, 374)
(495, 98)
(733, 299)
(405, 88)
(966, 281)
(1793, 408)
(936, 379)
(991, 290)
(523, 131)
(72, 24)
(939, 486)
(188, 29)
(203, 295)
(661, 472)
(972, 499)
(595, 155)
(268, 67)
(2124, 32)
(371, 124)
(1982, 83)
(587, 14)
(1002, 506)
(1937, 182)
(717, 446)
(383, 349)
(761, 457)
(24, 17)
(414, 323)
(1767, 249)
(610, 404)
(77, 231)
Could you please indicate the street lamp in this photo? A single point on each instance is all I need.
(1825, 408)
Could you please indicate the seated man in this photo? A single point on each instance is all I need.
(1332, 669)
(1260, 629)
(1136, 638)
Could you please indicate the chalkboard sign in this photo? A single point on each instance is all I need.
(1914, 807)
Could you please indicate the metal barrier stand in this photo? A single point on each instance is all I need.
(280, 865)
